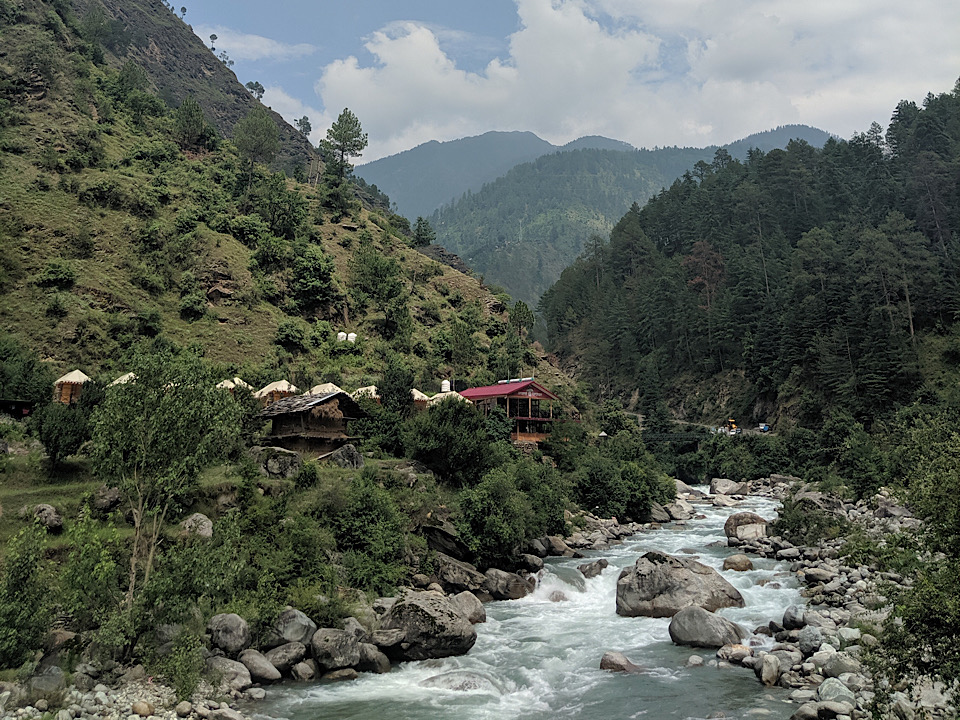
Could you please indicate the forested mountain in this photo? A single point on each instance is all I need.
(797, 281)
(521, 230)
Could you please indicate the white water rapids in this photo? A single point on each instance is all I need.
(542, 658)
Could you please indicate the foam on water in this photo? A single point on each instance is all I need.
(542, 657)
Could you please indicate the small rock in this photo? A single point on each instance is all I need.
(618, 662)
(142, 708)
(184, 709)
(738, 562)
(793, 618)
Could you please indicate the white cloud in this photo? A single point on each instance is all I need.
(661, 72)
(245, 46)
(291, 109)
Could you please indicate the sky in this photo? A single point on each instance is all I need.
(652, 73)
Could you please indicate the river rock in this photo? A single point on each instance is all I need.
(658, 585)
(724, 486)
(142, 708)
(738, 562)
(355, 628)
(734, 653)
(679, 510)
(557, 547)
(430, 627)
(732, 527)
(839, 663)
(184, 708)
(229, 632)
(832, 690)
(333, 649)
(618, 662)
(768, 671)
(503, 585)
(304, 671)
(457, 576)
(463, 681)
(592, 569)
(695, 627)
(261, 669)
(198, 525)
(793, 618)
(807, 711)
(284, 657)
(340, 675)
(233, 675)
(658, 514)
(470, 606)
(530, 563)
(372, 660)
(684, 489)
(809, 640)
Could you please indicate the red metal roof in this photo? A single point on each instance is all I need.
(505, 389)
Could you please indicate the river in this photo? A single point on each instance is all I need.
(542, 657)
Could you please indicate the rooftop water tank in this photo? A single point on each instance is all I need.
(341, 336)
(352, 337)
(445, 386)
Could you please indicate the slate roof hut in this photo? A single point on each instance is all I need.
(311, 424)
(275, 391)
(67, 389)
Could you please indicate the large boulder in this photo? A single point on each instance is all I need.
(592, 569)
(723, 486)
(198, 525)
(48, 517)
(503, 585)
(832, 690)
(291, 626)
(660, 585)
(443, 537)
(229, 632)
(260, 668)
(737, 525)
(470, 606)
(658, 514)
(346, 457)
(106, 499)
(429, 626)
(695, 627)
(457, 576)
(372, 660)
(679, 510)
(618, 662)
(333, 649)
(738, 562)
(284, 657)
(231, 674)
(276, 462)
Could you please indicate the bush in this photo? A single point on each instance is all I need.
(493, 518)
(291, 336)
(24, 597)
(91, 579)
(57, 274)
(451, 439)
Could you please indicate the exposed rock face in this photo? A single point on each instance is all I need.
(658, 514)
(229, 632)
(291, 626)
(696, 627)
(659, 585)
(443, 537)
(333, 649)
(429, 627)
(737, 524)
(457, 576)
(506, 586)
(198, 524)
(347, 457)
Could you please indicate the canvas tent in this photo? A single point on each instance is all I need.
(275, 391)
(67, 389)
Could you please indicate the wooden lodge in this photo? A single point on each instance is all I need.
(527, 403)
(311, 424)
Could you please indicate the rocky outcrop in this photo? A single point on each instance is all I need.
(457, 576)
(346, 457)
(695, 627)
(660, 585)
(425, 625)
(276, 462)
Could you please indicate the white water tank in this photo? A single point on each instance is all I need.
(352, 337)
(341, 336)
(445, 386)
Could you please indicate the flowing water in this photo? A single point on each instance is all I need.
(541, 658)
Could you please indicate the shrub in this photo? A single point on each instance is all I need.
(493, 518)
(451, 439)
(24, 596)
(193, 306)
(57, 274)
(291, 336)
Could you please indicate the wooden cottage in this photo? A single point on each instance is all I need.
(275, 391)
(67, 389)
(527, 403)
(311, 424)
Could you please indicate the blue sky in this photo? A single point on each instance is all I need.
(649, 72)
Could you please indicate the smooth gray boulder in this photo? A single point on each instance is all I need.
(372, 660)
(260, 668)
(429, 626)
(658, 514)
(810, 640)
(592, 569)
(659, 585)
(840, 663)
(742, 519)
(229, 632)
(618, 662)
(284, 657)
(724, 486)
(794, 618)
(457, 576)
(470, 606)
(233, 675)
(503, 585)
(695, 627)
(832, 690)
(333, 649)
(291, 626)
(738, 563)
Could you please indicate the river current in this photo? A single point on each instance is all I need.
(542, 658)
